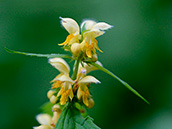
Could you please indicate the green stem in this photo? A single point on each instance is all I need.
(76, 65)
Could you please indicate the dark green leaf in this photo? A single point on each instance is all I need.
(123, 82)
(40, 55)
(71, 118)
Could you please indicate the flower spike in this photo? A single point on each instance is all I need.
(70, 95)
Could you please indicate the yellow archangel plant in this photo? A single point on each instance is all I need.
(69, 95)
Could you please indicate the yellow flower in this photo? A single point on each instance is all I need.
(83, 90)
(90, 31)
(88, 68)
(62, 81)
(66, 90)
(46, 121)
(73, 29)
(94, 30)
(84, 81)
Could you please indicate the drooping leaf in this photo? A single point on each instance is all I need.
(71, 118)
(39, 55)
(117, 78)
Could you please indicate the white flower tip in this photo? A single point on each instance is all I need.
(99, 63)
(110, 26)
(98, 82)
(60, 18)
(102, 26)
(70, 25)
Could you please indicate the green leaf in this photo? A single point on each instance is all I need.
(47, 108)
(117, 78)
(71, 118)
(40, 55)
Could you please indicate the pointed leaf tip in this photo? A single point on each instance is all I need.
(39, 55)
(123, 82)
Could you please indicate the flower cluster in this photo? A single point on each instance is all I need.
(64, 88)
(69, 94)
(83, 39)
(82, 43)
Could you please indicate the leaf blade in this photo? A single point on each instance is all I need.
(120, 80)
(39, 55)
(71, 118)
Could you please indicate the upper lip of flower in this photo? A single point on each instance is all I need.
(70, 25)
(73, 28)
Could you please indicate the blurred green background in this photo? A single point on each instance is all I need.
(138, 49)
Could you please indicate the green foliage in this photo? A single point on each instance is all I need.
(39, 55)
(71, 118)
(123, 82)
(47, 108)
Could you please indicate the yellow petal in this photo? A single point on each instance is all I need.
(44, 119)
(96, 45)
(43, 127)
(85, 100)
(60, 92)
(71, 93)
(88, 24)
(64, 97)
(93, 33)
(83, 45)
(74, 40)
(70, 25)
(56, 84)
(65, 78)
(54, 80)
(89, 53)
(60, 64)
(102, 26)
(89, 79)
(90, 103)
(68, 40)
(79, 94)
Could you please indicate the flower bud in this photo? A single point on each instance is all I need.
(53, 99)
(50, 93)
(56, 108)
(90, 103)
(55, 117)
(56, 113)
(76, 49)
(94, 58)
